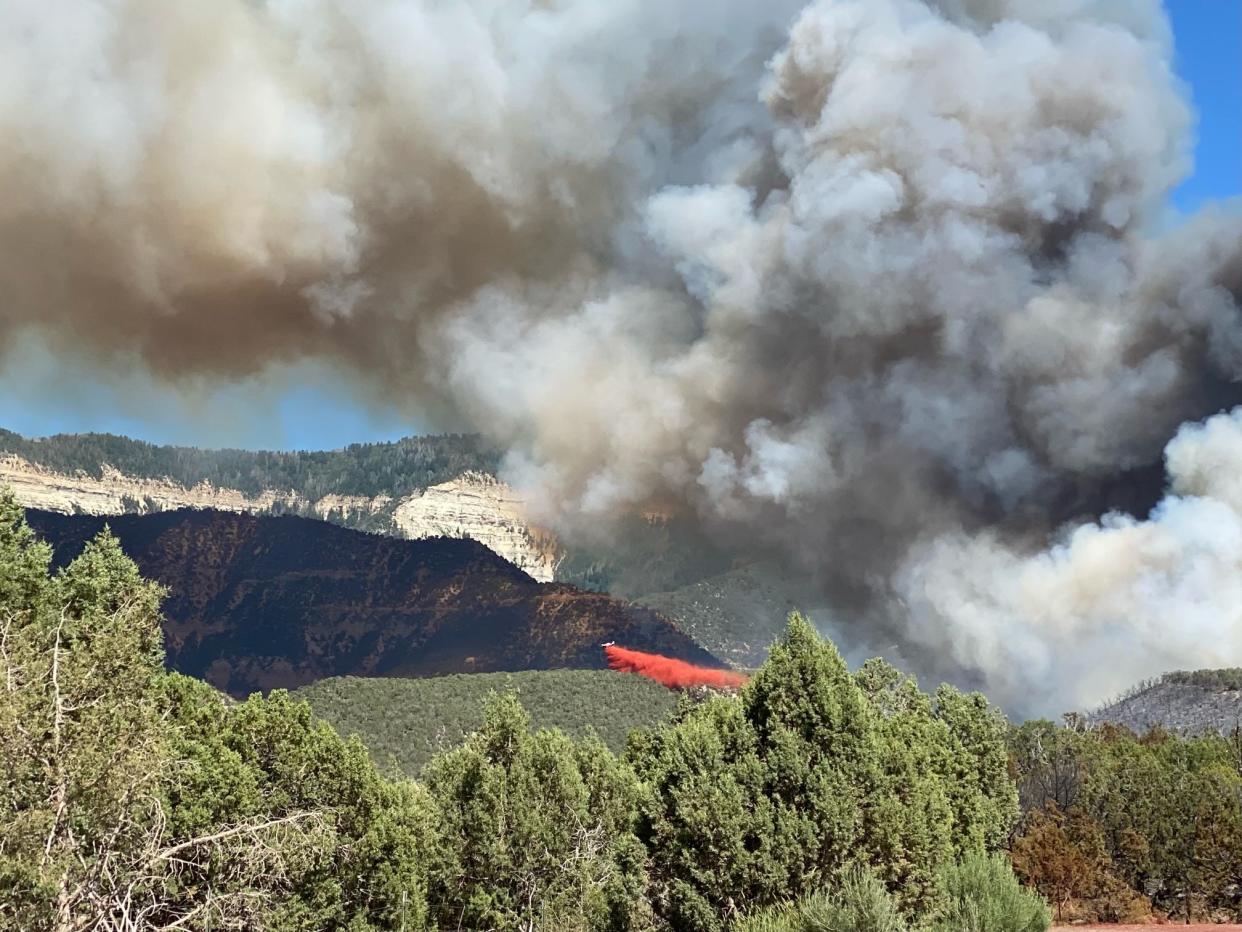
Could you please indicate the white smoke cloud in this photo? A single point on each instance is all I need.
(879, 284)
(1108, 603)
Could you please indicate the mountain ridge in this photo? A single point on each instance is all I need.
(1184, 702)
(392, 468)
(414, 488)
(261, 602)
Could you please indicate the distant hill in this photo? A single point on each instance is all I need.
(645, 554)
(1186, 702)
(736, 615)
(361, 469)
(405, 721)
(417, 487)
(257, 603)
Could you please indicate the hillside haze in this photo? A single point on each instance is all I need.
(1185, 702)
(258, 602)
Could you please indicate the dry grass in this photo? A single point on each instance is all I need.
(1198, 927)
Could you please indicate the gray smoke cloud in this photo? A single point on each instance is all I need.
(1105, 599)
(883, 286)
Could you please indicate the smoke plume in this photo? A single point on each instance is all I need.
(883, 288)
(669, 672)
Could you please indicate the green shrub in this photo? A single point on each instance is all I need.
(405, 722)
(981, 894)
(1229, 679)
(862, 904)
(809, 772)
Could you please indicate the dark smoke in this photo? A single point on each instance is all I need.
(884, 288)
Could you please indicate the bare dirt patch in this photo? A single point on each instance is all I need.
(1199, 927)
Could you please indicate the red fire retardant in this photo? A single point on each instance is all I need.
(675, 674)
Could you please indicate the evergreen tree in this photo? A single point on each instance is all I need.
(131, 799)
(80, 728)
(540, 829)
(813, 772)
(367, 862)
(981, 790)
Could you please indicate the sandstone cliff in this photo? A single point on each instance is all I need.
(475, 506)
(116, 493)
(482, 508)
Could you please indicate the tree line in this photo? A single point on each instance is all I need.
(369, 469)
(817, 798)
(1118, 826)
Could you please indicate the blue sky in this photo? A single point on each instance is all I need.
(307, 408)
(1208, 34)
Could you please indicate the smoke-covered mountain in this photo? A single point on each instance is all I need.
(263, 602)
(884, 290)
(660, 560)
(426, 486)
(737, 614)
(1191, 702)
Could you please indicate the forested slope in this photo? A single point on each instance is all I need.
(136, 799)
(404, 722)
(1190, 702)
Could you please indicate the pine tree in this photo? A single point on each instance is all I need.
(80, 727)
(540, 830)
(131, 799)
(811, 773)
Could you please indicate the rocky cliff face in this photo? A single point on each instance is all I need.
(474, 506)
(268, 602)
(116, 493)
(480, 507)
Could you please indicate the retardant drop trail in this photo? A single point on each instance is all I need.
(675, 674)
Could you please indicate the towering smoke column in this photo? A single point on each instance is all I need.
(675, 674)
(882, 288)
